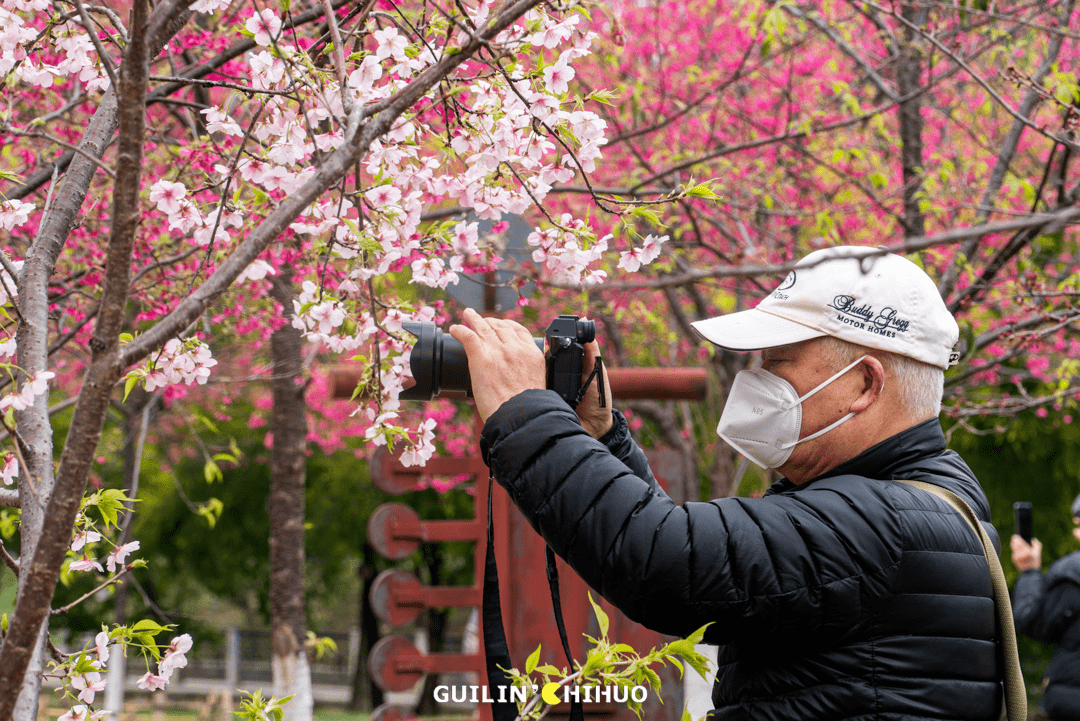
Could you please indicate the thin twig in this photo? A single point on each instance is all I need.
(88, 594)
(57, 655)
(221, 84)
(339, 56)
(53, 139)
(8, 560)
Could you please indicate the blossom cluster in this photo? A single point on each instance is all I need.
(34, 386)
(562, 253)
(173, 659)
(180, 361)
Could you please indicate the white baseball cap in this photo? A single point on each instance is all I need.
(858, 294)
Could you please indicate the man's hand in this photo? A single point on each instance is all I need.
(596, 420)
(1026, 556)
(503, 360)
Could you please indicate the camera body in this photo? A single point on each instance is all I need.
(440, 367)
(566, 337)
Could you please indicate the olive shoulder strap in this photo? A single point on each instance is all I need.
(1015, 692)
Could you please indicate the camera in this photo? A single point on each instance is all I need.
(440, 367)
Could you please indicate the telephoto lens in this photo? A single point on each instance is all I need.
(438, 364)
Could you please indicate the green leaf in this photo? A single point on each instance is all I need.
(601, 617)
(647, 214)
(211, 471)
(654, 679)
(704, 190)
(130, 383)
(147, 639)
(211, 511)
(597, 660)
(602, 96)
(148, 626)
(532, 660)
(696, 636)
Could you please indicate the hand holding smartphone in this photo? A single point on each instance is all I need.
(1022, 511)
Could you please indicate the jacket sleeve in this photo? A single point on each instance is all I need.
(621, 445)
(777, 565)
(1042, 610)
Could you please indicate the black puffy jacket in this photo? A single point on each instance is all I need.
(1047, 608)
(847, 597)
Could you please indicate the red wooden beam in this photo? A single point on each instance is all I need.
(629, 384)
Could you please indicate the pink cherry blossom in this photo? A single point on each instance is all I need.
(167, 195)
(209, 6)
(88, 684)
(14, 213)
(174, 657)
(557, 77)
(258, 270)
(265, 26)
(11, 470)
(81, 713)
(85, 564)
(101, 646)
(119, 556)
(217, 120)
(391, 44)
(150, 682)
(383, 195)
(83, 538)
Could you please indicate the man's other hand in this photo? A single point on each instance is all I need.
(596, 420)
(1026, 556)
(503, 360)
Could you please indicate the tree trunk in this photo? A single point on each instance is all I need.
(366, 696)
(36, 444)
(909, 79)
(292, 675)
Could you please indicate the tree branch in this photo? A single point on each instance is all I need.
(1045, 222)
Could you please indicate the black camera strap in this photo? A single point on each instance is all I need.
(496, 651)
(597, 372)
(576, 713)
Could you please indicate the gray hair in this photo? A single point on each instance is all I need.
(919, 386)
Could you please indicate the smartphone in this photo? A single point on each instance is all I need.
(1023, 520)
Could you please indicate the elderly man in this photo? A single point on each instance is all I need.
(1047, 608)
(840, 594)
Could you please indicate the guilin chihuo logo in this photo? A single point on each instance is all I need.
(886, 322)
(789, 281)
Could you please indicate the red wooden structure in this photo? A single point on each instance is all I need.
(398, 598)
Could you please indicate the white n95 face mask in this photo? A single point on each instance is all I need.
(763, 416)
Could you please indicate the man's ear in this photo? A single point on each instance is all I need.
(873, 378)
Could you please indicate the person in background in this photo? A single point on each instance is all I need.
(1046, 607)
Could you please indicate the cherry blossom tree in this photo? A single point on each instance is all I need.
(249, 139)
(701, 145)
(942, 130)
